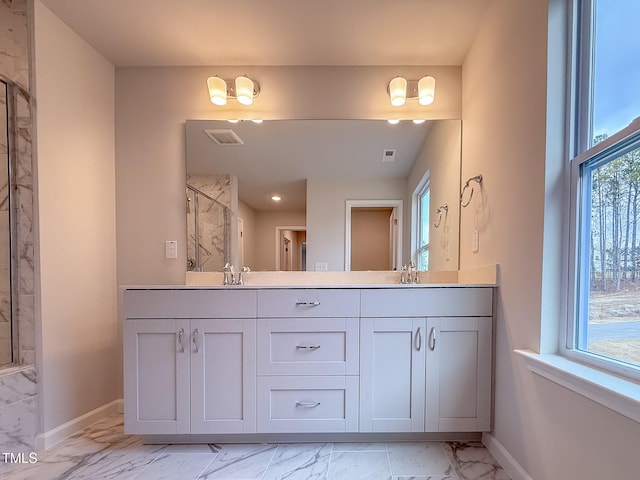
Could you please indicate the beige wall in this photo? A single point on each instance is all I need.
(552, 432)
(326, 212)
(152, 105)
(80, 357)
(248, 217)
(370, 239)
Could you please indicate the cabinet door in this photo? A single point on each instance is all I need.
(223, 375)
(392, 374)
(156, 376)
(458, 374)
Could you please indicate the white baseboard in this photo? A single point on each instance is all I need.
(510, 464)
(46, 440)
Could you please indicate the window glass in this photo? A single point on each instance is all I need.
(616, 66)
(609, 317)
(422, 253)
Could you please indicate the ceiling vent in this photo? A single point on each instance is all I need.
(389, 155)
(224, 137)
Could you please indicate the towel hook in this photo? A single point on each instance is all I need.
(478, 180)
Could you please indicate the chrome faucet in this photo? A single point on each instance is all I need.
(409, 275)
(230, 277)
(244, 269)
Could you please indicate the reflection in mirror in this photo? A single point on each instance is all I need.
(316, 166)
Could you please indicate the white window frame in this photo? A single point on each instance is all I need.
(580, 104)
(423, 186)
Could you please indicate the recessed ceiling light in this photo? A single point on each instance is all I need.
(276, 198)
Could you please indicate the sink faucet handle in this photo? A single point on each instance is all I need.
(243, 269)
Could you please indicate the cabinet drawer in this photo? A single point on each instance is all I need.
(189, 303)
(309, 302)
(422, 302)
(307, 404)
(315, 346)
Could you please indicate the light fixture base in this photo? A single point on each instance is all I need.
(231, 88)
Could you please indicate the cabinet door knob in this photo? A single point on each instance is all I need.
(307, 404)
(180, 344)
(307, 347)
(432, 338)
(418, 339)
(308, 304)
(195, 340)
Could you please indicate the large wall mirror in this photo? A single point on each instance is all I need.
(322, 194)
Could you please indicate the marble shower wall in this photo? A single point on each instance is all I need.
(18, 399)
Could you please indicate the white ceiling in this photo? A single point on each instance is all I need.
(278, 156)
(275, 32)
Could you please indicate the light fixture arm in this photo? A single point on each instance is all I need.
(412, 89)
(231, 88)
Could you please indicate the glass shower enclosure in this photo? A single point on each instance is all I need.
(208, 232)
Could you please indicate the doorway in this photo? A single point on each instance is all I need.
(291, 242)
(373, 235)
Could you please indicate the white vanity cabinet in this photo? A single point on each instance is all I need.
(308, 360)
(262, 360)
(194, 372)
(426, 360)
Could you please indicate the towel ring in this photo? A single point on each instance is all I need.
(478, 180)
(442, 208)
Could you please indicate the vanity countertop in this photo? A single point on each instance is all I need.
(477, 277)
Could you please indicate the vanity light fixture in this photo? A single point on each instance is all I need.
(401, 89)
(242, 88)
(276, 198)
(394, 121)
(418, 121)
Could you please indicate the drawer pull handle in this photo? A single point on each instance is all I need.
(195, 341)
(308, 304)
(418, 341)
(432, 338)
(307, 404)
(307, 347)
(180, 344)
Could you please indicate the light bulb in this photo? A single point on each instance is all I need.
(393, 121)
(217, 90)
(426, 90)
(398, 91)
(244, 90)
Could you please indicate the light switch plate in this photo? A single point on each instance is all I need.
(322, 266)
(171, 249)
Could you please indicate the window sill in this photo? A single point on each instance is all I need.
(621, 396)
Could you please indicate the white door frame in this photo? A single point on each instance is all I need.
(395, 204)
(279, 230)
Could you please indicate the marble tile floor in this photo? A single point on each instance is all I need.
(102, 452)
